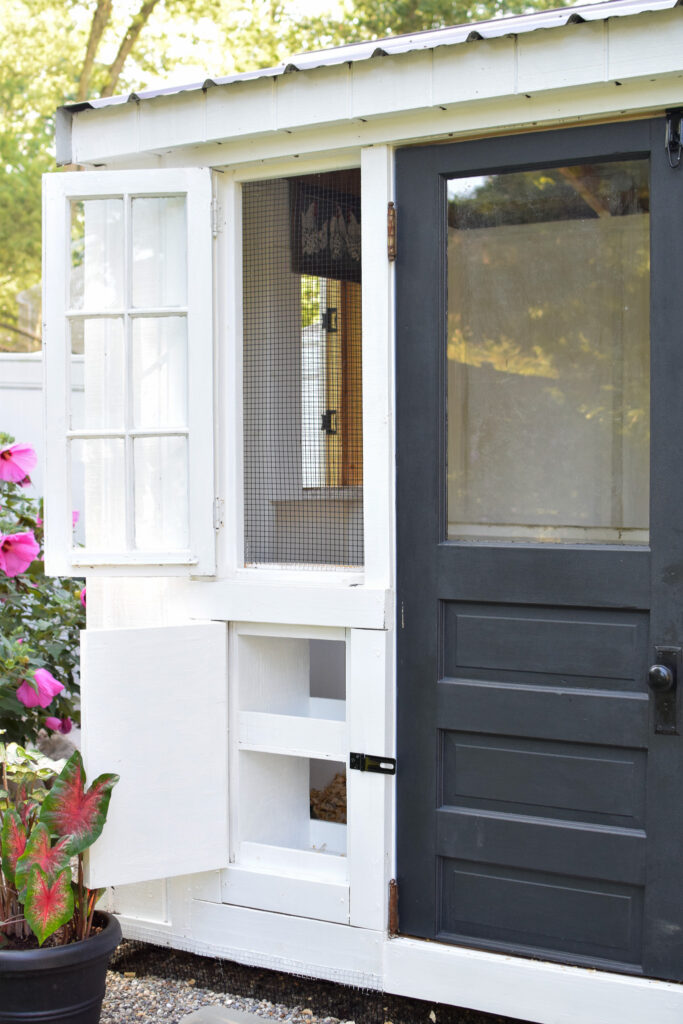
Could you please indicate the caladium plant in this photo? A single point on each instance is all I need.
(47, 821)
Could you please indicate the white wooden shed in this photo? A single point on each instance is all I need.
(380, 445)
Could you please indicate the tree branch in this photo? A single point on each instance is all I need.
(138, 22)
(100, 20)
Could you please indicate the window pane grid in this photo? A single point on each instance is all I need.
(133, 491)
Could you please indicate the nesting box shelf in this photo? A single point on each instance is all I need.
(322, 734)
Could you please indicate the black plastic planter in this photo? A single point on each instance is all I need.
(64, 984)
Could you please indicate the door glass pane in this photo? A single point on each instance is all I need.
(548, 355)
(159, 275)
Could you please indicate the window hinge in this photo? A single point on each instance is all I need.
(216, 212)
(391, 231)
(218, 513)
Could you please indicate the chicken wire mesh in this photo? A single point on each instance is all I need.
(303, 442)
(289, 993)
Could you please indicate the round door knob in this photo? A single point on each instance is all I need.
(660, 678)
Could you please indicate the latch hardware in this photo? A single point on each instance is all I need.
(672, 141)
(330, 320)
(371, 763)
(329, 421)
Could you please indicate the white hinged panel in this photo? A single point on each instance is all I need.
(127, 270)
(154, 705)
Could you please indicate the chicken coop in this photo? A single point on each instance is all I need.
(379, 436)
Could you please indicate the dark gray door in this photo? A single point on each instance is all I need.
(540, 545)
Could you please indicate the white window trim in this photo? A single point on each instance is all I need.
(59, 190)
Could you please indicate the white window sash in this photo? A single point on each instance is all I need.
(59, 190)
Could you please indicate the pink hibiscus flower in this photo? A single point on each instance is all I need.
(16, 462)
(82, 597)
(62, 725)
(48, 687)
(17, 551)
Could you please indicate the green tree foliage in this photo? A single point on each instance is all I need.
(375, 19)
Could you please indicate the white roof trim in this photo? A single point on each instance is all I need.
(496, 27)
(430, 87)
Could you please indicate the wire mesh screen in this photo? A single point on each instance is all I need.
(303, 440)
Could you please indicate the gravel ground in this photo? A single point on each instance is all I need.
(148, 984)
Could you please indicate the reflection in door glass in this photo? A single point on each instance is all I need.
(548, 355)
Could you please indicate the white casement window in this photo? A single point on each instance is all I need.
(128, 371)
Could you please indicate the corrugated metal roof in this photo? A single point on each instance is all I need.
(427, 40)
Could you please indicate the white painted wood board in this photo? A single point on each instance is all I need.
(155, 711)
(147, 901)
(320, 949)
(527, 989)
(293, 863)
(369, 794)
(288, 602)
(503, 114)
(377, 189)
(481, 71)
(578, 55)
(284, 894)
(292, 734)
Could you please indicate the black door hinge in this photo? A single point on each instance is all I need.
(672, 139)
(370, 763)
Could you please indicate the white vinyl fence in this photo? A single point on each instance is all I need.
(21, 403)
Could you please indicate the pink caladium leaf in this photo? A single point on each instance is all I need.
(68, 810)
(13, 843)
(39, 850)
(48, 905)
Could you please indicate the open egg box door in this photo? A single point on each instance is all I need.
(154, 707)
